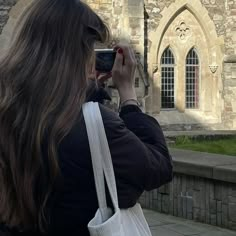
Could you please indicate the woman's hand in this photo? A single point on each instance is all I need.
(100, 78)
(123, 72)
(103, 77)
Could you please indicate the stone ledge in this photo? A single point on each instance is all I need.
(207, 165)
(226, 173)
(230, 59)
(200, 133)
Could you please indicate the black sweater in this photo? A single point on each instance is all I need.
(141, 162)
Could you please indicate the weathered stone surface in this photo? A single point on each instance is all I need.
(5, 6)
(204, 165)
(219, 219)
(232, 190)
(196, 214)
(189, 205)
(213, 206)
(201, 199)
(213, 219)
(232, 225)
(232, 212)
(225, 220)
(219, 206)
(7, 2)
(226, 173)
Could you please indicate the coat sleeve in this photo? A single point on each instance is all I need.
(139, 153)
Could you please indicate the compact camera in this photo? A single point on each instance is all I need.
(105, 60)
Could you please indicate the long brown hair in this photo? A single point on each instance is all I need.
(43, 81)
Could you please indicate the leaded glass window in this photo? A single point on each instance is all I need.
(192, 80)
(167, 79)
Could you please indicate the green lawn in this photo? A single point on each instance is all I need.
(221, 146)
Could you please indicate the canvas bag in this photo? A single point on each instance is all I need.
(129, 222)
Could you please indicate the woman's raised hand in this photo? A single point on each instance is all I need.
(123, 72)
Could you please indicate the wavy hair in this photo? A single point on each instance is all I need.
(43, 82)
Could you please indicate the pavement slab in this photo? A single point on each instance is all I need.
(167, 225)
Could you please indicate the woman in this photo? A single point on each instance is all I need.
(46, 177)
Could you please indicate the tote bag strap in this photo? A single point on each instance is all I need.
(107, 160)
(100, 153)
(96, 154)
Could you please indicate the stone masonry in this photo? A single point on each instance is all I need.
(229, 82)
(196, 198)
(5, 7)
(203, 189)
(229, 73)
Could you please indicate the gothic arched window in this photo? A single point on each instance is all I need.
(192, 80)
(167, 80)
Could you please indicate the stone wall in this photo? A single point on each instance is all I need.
(195, 198)
(129, 27)
(229, 74)
(229, 94)
(5, 7)
(154, 9)
(216, 9)
(230, 28)
(203, 189)
(109, 11)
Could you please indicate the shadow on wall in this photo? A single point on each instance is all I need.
(175, 119)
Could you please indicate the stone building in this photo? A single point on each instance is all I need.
(187, 52)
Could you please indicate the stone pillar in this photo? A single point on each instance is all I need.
(229, 93)
(180, 86)
(229, 81)
(133, 24)
(117, 23)
(156, 92)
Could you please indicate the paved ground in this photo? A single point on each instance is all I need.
(165, 225)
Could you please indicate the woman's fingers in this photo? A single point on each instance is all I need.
(123, 72)
(103, 77)
(127, 52)
(118, 64)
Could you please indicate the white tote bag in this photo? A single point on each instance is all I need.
(129, 222)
